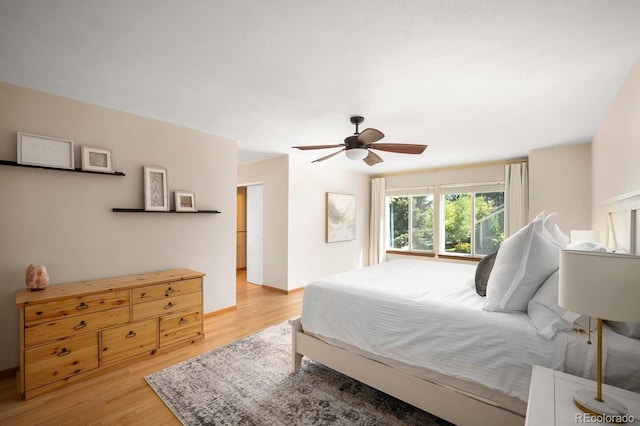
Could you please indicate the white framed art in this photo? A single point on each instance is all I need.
(96, 159)
(341, 217)
(36, 150)
(155, 189)
(185, 201)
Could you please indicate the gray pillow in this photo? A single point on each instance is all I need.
(482, 273)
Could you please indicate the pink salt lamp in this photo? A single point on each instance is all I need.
(36, 277)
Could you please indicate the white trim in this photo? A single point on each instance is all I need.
(416, 190)
(622, 197)
(472, 187)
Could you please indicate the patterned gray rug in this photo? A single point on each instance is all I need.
(249, 382)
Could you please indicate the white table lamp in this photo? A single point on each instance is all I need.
(605, 286)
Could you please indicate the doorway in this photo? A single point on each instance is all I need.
(249, 252)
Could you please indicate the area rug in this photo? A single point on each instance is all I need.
(249, 382)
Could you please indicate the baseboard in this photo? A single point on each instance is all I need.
(9, 372)
(221, 311)
(279, 290)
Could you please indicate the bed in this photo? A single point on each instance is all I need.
(419, 330)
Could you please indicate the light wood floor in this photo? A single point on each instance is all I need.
(122, 397)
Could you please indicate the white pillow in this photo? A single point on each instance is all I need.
(548, 317)
(551, 225)
(543, 309)
(629, 329)
(524, 261)
(586, 246)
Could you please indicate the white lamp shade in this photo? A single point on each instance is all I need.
(601, 285)
(357, 153)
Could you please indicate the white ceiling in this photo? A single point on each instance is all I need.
(475, 80)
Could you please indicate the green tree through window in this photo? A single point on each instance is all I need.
(471, 223)
(418, 236)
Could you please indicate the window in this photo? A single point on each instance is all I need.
(489, 223)
(463, 220)
(410, 222)
(473, 222)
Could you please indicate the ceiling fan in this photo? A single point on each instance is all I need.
(358, 146)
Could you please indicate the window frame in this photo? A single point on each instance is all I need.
(439, 192)
(410, 193)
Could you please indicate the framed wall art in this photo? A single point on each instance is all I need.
(155, 189)
(35, 150)
(185, 201)
(96, 159)
(341, 217)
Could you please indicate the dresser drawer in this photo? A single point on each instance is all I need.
(165, 290)
(68, 327)
(181, 326)
(166, 306)
(129, 340)
(72, 306)
(59, 360)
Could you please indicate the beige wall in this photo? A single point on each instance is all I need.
(616, 149)
(64, 220)
(560, 181)
(274, 175)
(310, 256)
(479, 173)
(295, 251)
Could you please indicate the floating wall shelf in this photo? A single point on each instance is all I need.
(116, 210)
(13, 163)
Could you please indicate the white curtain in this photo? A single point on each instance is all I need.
(377, 250)
(516, 191)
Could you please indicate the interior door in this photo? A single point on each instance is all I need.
(254, 233)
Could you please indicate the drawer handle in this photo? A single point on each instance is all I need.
(82, 306)
(130, 335)
(64, 352)
(182, 321)
(80, 326)
(169, 291)
(168, 305)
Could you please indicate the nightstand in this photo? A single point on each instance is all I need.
(551, 399)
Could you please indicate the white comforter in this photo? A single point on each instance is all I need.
(428, 315)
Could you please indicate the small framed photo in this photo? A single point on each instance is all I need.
(35, 150)
(155, 189)
(96, 159)
(185, 201)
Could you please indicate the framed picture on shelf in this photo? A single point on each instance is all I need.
(35, 150)
(341, 217)
(155, 189)
(185, 201)
(96, 159)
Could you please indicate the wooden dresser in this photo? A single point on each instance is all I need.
(70, 332)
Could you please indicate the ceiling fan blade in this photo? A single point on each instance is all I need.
(305, 147)
(328, 156)
(402, 148)
(370, 136)
(372, 158)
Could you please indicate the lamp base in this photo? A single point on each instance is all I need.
(585, 399)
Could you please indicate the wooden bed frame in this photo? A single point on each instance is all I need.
(622, 231)
(438, 400)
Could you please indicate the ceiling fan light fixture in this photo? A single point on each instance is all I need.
(357, 146)
(357, 153)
